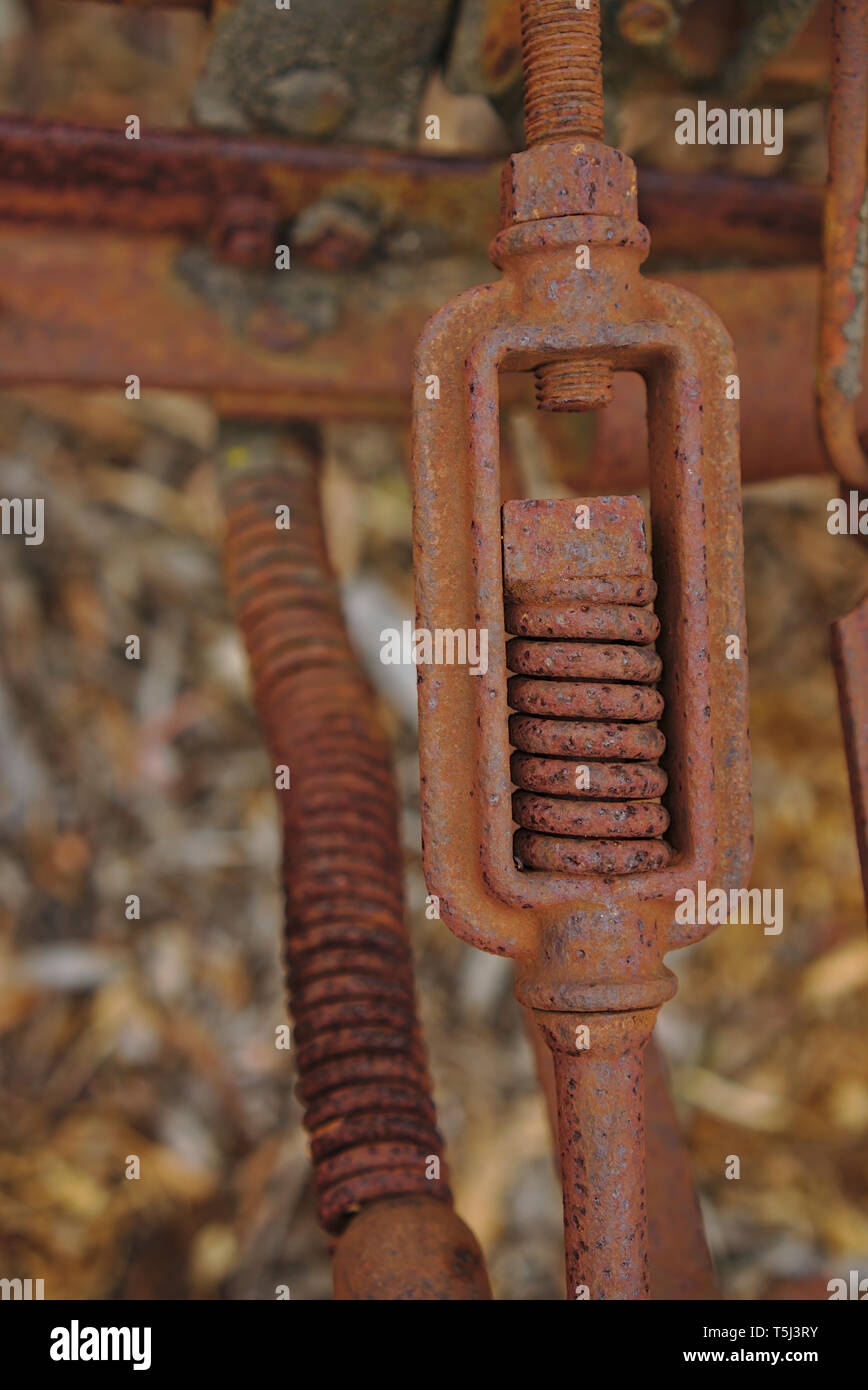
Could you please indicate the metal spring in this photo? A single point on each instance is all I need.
(586, 733)
(362, 1072)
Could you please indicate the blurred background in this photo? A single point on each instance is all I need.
(155, 1037)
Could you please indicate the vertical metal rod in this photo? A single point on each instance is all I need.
(601, 1124)
(679, 1263)
(845, 245)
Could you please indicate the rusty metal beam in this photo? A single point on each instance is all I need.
(86, 310)
(192, 184)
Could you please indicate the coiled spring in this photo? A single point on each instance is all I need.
(585, 728)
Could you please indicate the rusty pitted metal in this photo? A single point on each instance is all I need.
(588, 929)
(845, 246)
(362, 1071)
(841, 359)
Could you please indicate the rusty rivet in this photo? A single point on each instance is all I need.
(647, 22)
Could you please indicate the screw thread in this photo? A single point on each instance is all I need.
(585, 385)
(563, 76)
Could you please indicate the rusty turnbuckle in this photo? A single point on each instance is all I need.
(601, 763)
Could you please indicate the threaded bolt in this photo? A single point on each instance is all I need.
(563, 96)
(573, 385)
(563, 76)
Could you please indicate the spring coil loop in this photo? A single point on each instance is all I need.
(362, 1072)
(585, 732)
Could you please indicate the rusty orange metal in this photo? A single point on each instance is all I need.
(845, 246)
(179, 182)
(362, 1072)
(589, 937)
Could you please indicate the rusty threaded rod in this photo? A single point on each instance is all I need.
(563, 77)
(563, 96)
(362, 1071)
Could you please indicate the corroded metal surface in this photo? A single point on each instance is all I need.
(362, 1070)
(179, 182)
(339, 351)
(405, 1248)
(845, 245)
(679, 1264)
(601, 1123)
(589, 943)
(583, 599)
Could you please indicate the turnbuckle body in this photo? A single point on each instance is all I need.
(584, 897)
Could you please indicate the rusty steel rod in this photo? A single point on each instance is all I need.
(563, 75)
(563, 96)
(601, 1122)
(845, 246)
(679, 1265)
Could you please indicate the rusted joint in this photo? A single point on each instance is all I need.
(583, 895)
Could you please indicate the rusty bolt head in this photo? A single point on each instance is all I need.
(245, 231)
(334, 235)
(647, 22)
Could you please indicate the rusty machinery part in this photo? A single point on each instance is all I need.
(180, 182)
(362, 1071)
(845, 246)
(601, 1122)
(563, 77)
(563, 96)
(409, 1248)
(586, 725)
(850, 660)
(680, 1267)
(589, 946)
